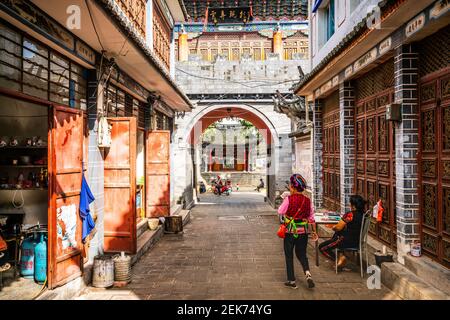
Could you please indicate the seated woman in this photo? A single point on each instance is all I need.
(346, 232)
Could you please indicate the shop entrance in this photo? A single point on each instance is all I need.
(40, 190)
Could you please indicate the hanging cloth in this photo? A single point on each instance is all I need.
(86, 198)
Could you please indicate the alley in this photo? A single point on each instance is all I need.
(229, 250)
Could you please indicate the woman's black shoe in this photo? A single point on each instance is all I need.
(291, 284)
(310, 282)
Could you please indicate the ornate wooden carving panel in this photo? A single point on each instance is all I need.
(383, 168)
(375, 149)
(428, 92)
(370, 135)
(331, 153)
(446, 251)
(161, 35)
(429, 168)
(434, 171)
(371, 167)
(136, 12)
(428, 130)
(446, 128)
(360, 136)
(446, 211)
(429, 198)
(430, 243)
(360, 166)
(383, 138)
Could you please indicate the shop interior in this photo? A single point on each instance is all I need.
(23, 194)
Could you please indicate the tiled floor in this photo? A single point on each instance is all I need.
(230, 250)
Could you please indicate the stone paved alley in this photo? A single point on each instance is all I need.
(229, 250)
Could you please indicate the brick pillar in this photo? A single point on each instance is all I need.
(317, 155)
(407, 146)
(347, 142)
(95, 164)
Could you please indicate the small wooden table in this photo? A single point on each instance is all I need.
(322, 218)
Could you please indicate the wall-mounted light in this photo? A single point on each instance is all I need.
(394, 112)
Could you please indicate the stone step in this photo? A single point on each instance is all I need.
(430, 271)
(407, 285)
(142, 226)
(186, 215)
(146, 241)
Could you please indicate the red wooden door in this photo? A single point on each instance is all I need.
(120, 187)
(65, 169)
(158, 173)
(434, 169)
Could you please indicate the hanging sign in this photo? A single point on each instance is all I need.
(230, 15)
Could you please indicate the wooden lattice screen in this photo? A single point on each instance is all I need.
(434, 52)
(377, 80)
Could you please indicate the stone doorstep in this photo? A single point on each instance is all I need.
(402, 281)
(432, 272)
(141, 227)
(407, 285)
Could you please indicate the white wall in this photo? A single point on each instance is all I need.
(348, 13)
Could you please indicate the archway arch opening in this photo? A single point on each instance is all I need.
(233, 154)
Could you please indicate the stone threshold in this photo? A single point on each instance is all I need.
(146, 240)
(419, 279)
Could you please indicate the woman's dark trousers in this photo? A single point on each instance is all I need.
(298, 245)
(328, 247)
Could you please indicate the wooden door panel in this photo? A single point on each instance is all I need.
(120, 187)
(434, 171)
(158, 173)
(65, 173)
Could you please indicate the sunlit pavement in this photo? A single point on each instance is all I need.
(230, 250)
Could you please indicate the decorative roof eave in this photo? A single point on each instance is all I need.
(183, 8)
(293, 108)
(359, 30)
(127, 28)
(301, 132)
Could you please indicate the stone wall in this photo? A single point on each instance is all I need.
(238, 77)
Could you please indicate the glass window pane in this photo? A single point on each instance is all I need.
(59, 60)
(36, 92)
(32, 47)
(120, 103)
(10, 34)
(77, 78)
(10, 52)
(112, 102)
(59, 75)
(9, 77)
(59, 94)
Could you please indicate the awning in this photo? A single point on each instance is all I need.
(316, 5)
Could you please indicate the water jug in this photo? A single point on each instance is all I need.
(27, 257)
(40, 260)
